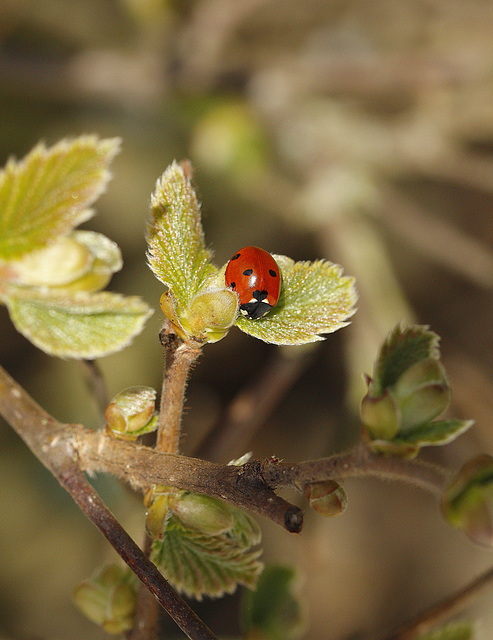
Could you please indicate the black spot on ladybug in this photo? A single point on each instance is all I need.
(248, 272)
(233, 285)
(259, 295)
(235, 257)
(273, 273)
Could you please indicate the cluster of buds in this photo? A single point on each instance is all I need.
(407, 392)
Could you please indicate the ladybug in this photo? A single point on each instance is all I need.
(255, 276)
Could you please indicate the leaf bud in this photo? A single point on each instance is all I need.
(327, 498)
(380, 416)
(408, 391)
(131, 413)
(468, 501)
(108, 598)
(208, 515)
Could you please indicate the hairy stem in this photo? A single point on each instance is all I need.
(179, 358)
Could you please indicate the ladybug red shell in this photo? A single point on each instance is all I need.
(255, 276)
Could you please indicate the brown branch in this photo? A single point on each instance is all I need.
(53, 444)
(179, 358)
(147, 613)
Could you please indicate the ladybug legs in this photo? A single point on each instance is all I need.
(256, 308)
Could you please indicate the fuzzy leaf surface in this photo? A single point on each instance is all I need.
(198, 564)
(315, 299)
(176, 247)
(79, 326)
(50, 191)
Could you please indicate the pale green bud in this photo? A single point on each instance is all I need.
(208, 515)
(131, 413)
(156, 516)
(60, 263)
(422, 393)
(211, 314)
(380, 416)
(468, 501)
(108, 599)
(327, 498)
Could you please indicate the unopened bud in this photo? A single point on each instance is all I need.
(468, 501)
(108, 598)
(380, 416)
(327, 498)
(203, 513)
(131, 413)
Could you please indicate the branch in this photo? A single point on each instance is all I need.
(53, 444)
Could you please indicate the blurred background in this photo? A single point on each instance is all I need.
(353, 131)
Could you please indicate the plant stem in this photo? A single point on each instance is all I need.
(147, 613)
(53, 444)
(179, 358)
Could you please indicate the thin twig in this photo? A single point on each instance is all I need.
(147, 612)
(96, 384)
(441, 611)
(94, 508)
(53, 444)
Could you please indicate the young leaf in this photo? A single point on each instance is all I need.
(79, 326)
(436, 433)
(273, 611)
(198, 564)
(315, 299)
(176, 247)
(50, 191)
(403, 348)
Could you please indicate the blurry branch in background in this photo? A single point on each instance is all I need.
(96, 384)
(463, 255)
(441, 611)
(251, 407)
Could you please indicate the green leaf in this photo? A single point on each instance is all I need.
(315, 299)
(403, 348)
(79, 326)
(48, 193)
(273, 611)
(176, 247)
(436, 433)
(198, 564)
(455, 631)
